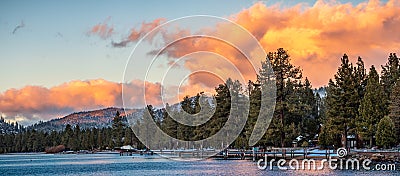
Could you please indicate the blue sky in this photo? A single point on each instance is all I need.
(54, 47)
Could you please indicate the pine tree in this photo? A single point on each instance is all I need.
(92, 138)
(128, 139)
(117, 130)
(292, 131)
(145, 128)
(285, 74)
(100, 137)
(67, 134)
(185, 132)
(343, 97)
(76, 139)
(372, 107)
(385, 134)
(203, 110)
(360, 75)
(390, 74)
(254, 91)
(222, 110)
(306, 110)
(394, 108)
(169, 125)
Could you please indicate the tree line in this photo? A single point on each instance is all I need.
(357, 103)
(71, 138)
(363, 105)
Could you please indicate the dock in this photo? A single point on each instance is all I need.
(255, 155)
(235, 154)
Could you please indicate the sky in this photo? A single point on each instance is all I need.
(60, 57)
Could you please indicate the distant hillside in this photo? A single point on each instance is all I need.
(9, 127)
(87, 119)
(94, 119)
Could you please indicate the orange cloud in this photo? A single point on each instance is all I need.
(137, 34)
(221, 59)
(315, 36)
(103, 30)
(34, 102)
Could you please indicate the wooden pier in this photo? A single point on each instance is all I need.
(255, 154)
(235, 154)
(272, 154)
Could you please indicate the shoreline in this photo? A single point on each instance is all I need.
(375, 156)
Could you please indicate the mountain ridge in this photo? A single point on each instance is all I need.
(99, 118)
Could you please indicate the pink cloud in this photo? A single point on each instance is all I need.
(136, 34)
(36, 102)
(103, 30)
(315, 36)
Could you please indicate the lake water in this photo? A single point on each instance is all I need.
(113, 164)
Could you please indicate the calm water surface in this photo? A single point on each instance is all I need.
(113, 164)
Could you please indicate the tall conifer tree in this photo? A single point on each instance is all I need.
(394, 108)
(372, 107)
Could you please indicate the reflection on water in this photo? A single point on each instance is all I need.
(113, 164)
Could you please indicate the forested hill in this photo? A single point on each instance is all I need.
(97, 118)
(9, 127)
(93, 119)
(86, 119)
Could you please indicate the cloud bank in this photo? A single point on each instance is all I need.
(31, 103)
(316, 35)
